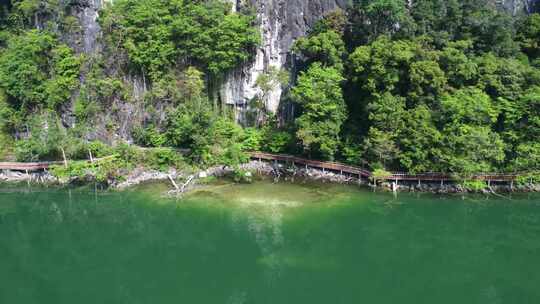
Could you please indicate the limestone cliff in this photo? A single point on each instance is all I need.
(517, 6)
(281, 22)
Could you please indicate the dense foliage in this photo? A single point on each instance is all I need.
(446, 86)
(180, 50)
(426, 85)
(158, 35)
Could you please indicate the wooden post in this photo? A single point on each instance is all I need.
(183, 189)
(173, 183)
(64, 156)
(90, 154)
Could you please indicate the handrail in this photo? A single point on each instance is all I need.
(27, 166)
(334, 166)
(314, 163)
(35, 166)
(428, 176)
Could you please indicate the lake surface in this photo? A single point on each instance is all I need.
(267, 243)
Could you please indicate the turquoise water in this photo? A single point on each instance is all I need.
(266, 243)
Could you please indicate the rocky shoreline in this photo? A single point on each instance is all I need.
(294, 174)
(277, 172)
(9, 176)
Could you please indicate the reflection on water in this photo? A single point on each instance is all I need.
(267, 243)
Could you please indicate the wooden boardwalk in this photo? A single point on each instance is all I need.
(363, 173)
(330, 166)
(15, 166)
(40, 166)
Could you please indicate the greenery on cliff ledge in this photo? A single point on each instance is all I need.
(429, 85)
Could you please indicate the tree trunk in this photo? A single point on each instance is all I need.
(64, 156)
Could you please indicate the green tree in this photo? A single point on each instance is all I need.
(160, 34)
(490, 29)
(521, 128)
(381, 148)
(386, 113)
(527, 157)
(319, 94)
(506, 78)
(427, 80)
(335, 21)
(529, 36)
(372, 18)
(420, 141)
(382, 65)
(468, 150)
(469, 144)
(35, 70)
(327, 48)
(468, 106)
(459, 67)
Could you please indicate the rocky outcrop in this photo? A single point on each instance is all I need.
(31, 177)
(88, 19)
(84, 36)
(516, 7)
(281, 23)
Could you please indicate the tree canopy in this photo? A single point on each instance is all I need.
(427, 85)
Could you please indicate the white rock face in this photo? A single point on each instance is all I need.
(88, 15)
(281, 23)
(239, 87)
(516, 7)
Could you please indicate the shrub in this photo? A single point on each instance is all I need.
(277, 141)
(100, 149)
(526, 179)
(474, 185)
(380, 175)
(149, 136)
(102, 171)
(129, 154)
(252, 140)
(5, 145)
(163, 158)
(242, 176)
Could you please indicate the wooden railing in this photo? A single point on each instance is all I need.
(448, 177)
(37, 166)
(332, 166)
(396, 176)
(338, 167)
(27, 166)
